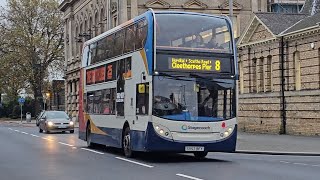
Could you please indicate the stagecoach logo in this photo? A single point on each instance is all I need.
(185, 127)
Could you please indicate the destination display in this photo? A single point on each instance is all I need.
(187, 63)
(195, 64)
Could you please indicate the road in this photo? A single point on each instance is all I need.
(28, 155)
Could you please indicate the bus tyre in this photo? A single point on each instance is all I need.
(126, 143)
(89, 143)
(200, 155)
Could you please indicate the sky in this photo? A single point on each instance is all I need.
(2, 2)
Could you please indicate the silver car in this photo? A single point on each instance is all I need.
(55, 121)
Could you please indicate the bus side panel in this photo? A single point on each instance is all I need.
(138, 140)
(112, 137)
(82, 126)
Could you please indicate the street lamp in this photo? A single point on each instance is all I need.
(46, 96)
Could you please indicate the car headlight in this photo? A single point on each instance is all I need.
(71, 123)
(50, 123)
(162, 131)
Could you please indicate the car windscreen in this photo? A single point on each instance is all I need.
(56, 115)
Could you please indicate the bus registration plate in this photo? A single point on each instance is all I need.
(194, 148)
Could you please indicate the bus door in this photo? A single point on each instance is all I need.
(120, 89)
(142, 103)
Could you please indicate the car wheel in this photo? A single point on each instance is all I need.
(47, 131)
(40, 130)
(72, 131)
(126, 143)
(200, 155)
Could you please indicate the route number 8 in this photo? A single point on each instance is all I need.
(218, 67)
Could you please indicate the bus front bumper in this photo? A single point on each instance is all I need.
(156, 143)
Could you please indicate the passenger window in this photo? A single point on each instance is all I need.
(130, 37)
(142, 30)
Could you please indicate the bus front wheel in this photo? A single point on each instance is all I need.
(200, 155)
(89, 143)
(126, 143)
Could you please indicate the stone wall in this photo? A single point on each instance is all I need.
(261, 111)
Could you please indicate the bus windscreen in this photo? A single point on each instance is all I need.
(192, 32)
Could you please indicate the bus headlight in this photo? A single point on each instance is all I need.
(226, 132)
(162, 131)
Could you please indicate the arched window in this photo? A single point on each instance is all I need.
(254, 75)
(81, 31)
(76, 38)
(241, 74)
(262, 71)
(297, 70)
(259, 5)
(90, 26)
(269, 74)
(319, 65)
(102, 21)
(96, 24)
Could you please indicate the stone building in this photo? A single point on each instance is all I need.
(279, 68)
(84, 19)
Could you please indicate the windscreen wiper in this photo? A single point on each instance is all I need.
(210, 79)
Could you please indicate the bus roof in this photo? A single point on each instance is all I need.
(145, 14)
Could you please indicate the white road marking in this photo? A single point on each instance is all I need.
(74, 147)
(16, 130)
(285, 162)
(34, 135)
(46, 138)
(302, 164)
(92, 151)
(134, 162)
(10, 129)
(65, 144)
(189, 177)
(317, 165)
(24, 132)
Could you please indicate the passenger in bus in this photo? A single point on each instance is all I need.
(197, 42)
(212, 44)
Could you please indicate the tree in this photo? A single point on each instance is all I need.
(32, 41)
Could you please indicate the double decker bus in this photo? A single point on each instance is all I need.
(163, 81)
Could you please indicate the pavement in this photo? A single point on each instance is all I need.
(29, 155)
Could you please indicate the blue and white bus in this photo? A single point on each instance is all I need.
(164, 82)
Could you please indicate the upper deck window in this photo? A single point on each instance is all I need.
(192, 32)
